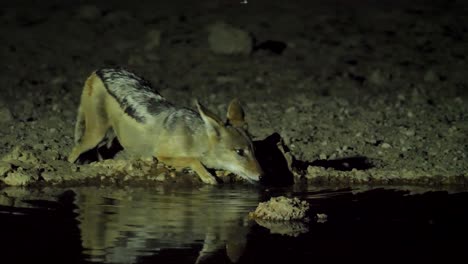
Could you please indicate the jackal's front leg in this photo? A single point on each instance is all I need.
(192, 163)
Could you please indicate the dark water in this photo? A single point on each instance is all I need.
(210, 225)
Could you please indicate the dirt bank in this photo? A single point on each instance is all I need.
(360, 93)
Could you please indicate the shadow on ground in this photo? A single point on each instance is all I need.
(273, 161)
(342, 164)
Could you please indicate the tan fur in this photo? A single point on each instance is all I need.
(235, 114)
(187, 144)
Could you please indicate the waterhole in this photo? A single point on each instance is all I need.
(211, 225)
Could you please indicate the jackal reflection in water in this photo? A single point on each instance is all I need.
(120, 225)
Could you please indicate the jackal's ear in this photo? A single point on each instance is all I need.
(235, 114)
(212, 122)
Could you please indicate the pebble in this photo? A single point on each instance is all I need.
(5, 115)
(376, 77)
(430, 76)
(225, 39)
(118, 17)
(5, 167)
(385, 146)
(409, 132)
(291, 109)
(55, 107)
(89, 12)
(153, 39)
(161, 177)
(17, 178)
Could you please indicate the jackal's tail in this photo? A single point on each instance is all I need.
(79, 126)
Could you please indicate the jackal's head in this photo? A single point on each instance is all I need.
(230, 146)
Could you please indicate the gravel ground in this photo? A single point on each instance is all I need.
(359, 91)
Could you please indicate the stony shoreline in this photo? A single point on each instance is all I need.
(375, 99)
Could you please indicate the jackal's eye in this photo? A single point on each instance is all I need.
(240, 152)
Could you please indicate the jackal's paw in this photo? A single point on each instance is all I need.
(210, 180)
(73, 156)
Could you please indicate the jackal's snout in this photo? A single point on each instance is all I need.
(254, 173)
(257, 177)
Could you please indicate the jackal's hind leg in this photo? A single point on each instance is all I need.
(109, 146)
(108, 139)
(192, 163)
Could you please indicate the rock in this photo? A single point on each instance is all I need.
(50, 176)
(23, 154)
(281, 209)
(5, 115)
(55, 107)
(153, 39)
(17, 178)
(288, 228)
(118, 17)
(409, 132)
(322, 218)
(227, 40)
(226, 80)
(136, 60)
(24, 165)
(130, 168)
(89, 13)
(58, 80)
(430, 76)
(5, 168)
(314, 172)
(385, 145)
(377, 78)
(161, 177)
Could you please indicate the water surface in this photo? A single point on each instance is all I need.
(211, 225)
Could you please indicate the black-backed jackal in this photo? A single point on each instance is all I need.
(118, 103)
